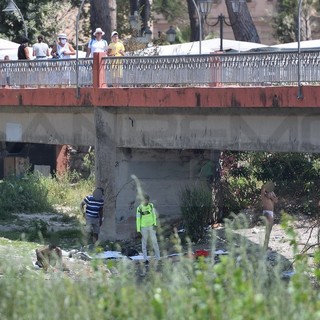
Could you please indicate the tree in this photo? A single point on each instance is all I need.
(143, 8)
(286, 21)
(103, 15)
(242, 23)
(194, 21)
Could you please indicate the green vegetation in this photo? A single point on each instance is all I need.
(38, 194)
(196, 210)
(240, 286)
(296, 177)
(23, 195)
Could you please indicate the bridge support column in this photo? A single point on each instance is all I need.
(105, 162)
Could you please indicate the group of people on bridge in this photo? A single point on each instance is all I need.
(62, 48)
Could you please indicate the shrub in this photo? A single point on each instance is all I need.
(23, 195)
(196, 210)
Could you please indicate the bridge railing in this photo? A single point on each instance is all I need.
(245, 69)
(241, 69)
(51, 72)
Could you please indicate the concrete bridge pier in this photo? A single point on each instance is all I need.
(105, 150)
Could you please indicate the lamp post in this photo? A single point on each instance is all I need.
(77, 53)
(221, 19)
(171, 35)
(300, 94)
(135, 24)
(12, 7)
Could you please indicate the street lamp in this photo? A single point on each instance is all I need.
(135, 24)
(171, 35)
(300, 94)
(12, 7)
(77, 53)
(236, 6)
(147, 34)
(200, 24)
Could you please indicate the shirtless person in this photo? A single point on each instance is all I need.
(50, 256)
(268, 199)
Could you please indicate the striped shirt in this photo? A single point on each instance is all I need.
(93, 206)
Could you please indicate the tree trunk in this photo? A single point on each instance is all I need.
(145, 14)
(103, 14)
(217, 195)
(194, 21)
(242, 23)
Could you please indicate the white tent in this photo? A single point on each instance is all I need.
(8, 48)
(207, 47)
(303, 45)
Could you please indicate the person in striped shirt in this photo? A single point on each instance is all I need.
(93, 212)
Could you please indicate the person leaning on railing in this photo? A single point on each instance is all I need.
(40, 50)
(62, 49)
(23, 51)
(116, 49)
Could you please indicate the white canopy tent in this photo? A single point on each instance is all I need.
(8, 48)
(309, 44)
(207, 47)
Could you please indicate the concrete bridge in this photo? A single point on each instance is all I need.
(165, 136)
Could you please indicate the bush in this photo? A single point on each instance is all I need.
(36, 193)
(23, 195)
(196, 210)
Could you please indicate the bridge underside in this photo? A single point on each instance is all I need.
(163, 140)
(287, 130)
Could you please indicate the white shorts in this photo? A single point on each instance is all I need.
(268, 213)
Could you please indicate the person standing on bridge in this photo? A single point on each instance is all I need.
(62, 49)
(23, 51)
(40, 49)
(116, 49)
(98, 44)
(93, 213)
(146, 221)
(268, 199)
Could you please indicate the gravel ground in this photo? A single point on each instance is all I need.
(279, 242)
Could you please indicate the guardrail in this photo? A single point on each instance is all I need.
(46, 73)
(241, 69)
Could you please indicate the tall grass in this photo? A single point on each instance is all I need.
(240, 286)
(36, 193)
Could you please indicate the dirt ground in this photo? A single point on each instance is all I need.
(279, 241)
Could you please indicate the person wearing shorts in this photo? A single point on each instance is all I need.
(268, 199)
(93, 213)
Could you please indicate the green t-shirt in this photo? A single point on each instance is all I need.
(146, 216)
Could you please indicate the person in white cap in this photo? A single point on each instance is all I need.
(116, 49)
(63, 49)
(97, 44)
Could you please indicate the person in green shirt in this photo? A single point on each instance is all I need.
(146, 220)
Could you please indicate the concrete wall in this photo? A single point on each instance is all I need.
(163, 174)
(161, 148)
(48, 125)
(269, 129)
